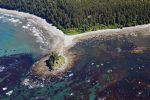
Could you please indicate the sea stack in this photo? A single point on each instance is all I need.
(49, 65)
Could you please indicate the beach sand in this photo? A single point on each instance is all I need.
(70, 39)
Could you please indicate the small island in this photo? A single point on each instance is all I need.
(49, 66)
(55, 61)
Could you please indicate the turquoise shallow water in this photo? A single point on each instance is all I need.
(19, 49)
(14, 39)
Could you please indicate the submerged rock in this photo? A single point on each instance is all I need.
(4, 89)
(139, 50)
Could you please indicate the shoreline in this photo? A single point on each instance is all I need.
(53, 30)
(62, 42)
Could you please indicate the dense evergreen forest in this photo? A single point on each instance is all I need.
(74, 16)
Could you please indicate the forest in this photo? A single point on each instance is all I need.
(77, 16)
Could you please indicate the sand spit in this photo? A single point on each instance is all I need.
(134, 30)
(52, 31)
(73, 39)
(69, 40)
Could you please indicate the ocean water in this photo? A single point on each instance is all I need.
(14, 39)
(105, 70)
(20, 46)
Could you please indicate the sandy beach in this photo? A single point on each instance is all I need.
(51, 31)
(69, 39)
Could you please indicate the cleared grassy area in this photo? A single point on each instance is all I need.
(55, 61)
(73, 31)
(59, 62)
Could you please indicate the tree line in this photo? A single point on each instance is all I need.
(82, 14)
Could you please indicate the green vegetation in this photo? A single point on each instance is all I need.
(77, 16)
(73, 31)
(55, 61)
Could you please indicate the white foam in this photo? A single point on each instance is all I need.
(2, 68)
(32, 84)
(10, 18)
(9, 93)
(13, 20)
(57, 35)
(26, 82)
(70, 75)
(37, 33)
(25, 27)
(4, 89)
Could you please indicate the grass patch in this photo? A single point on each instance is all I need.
(55, 61)
(73, 31)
